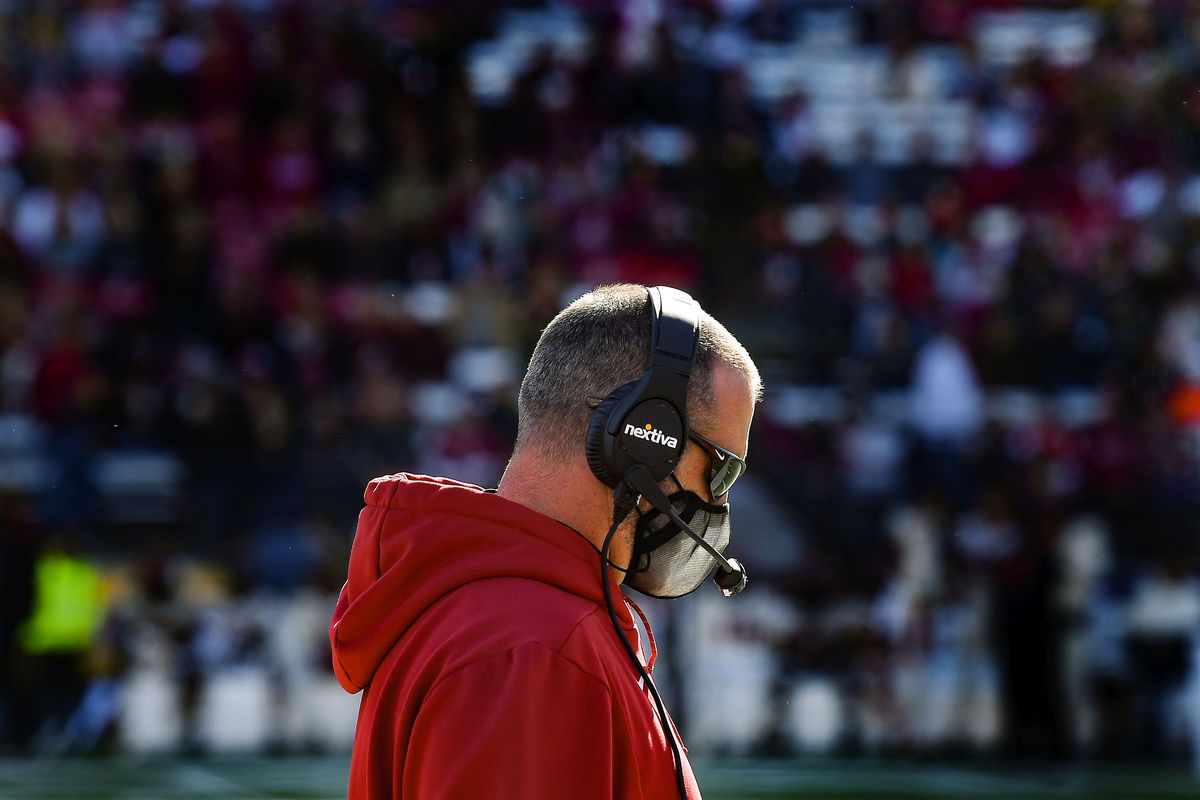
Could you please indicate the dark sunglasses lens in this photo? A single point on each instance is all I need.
(725, 475)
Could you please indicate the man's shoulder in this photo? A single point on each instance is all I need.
(498, 614)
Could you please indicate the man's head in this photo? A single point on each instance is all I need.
(600, 342)
(596, 344)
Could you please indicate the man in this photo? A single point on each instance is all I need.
(476, 622)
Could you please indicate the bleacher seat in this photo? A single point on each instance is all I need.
(816, 717)
(22, 466)
(1064, 38)
(141, 486)
(151, 717)
(237, 712)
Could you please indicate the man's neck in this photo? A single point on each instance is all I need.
(566, 492)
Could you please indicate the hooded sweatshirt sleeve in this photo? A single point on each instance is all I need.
(528, 723)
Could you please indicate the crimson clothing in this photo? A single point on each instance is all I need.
(477, 629)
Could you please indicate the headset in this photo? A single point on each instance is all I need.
(644, 422)
(635, 438)
(637, 434)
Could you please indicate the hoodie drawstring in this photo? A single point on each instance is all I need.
(649, 634)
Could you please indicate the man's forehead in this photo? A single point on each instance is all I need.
(734, 408)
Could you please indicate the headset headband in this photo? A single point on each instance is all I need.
(645, 421)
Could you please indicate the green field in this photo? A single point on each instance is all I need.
(323, 778)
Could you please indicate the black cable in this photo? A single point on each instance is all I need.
(623, 503)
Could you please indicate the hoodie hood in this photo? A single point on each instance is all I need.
(420, 538)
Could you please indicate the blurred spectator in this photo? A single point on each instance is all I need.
(53, 641)
(18, 547)
(1085, 557)
(1164, 615)
(946, 399)
(60, 226)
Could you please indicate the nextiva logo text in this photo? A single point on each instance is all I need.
(653, 434)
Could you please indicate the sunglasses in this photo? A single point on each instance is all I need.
(724, 466)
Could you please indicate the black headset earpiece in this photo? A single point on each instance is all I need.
(595, 434)
(644, 423)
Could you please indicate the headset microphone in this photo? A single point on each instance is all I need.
(731, 576)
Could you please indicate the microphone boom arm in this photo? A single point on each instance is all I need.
(732, 577)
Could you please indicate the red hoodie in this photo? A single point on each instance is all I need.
(477, 629)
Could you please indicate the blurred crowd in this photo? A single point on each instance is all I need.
(253, 254)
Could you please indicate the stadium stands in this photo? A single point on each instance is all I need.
(254, 254)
